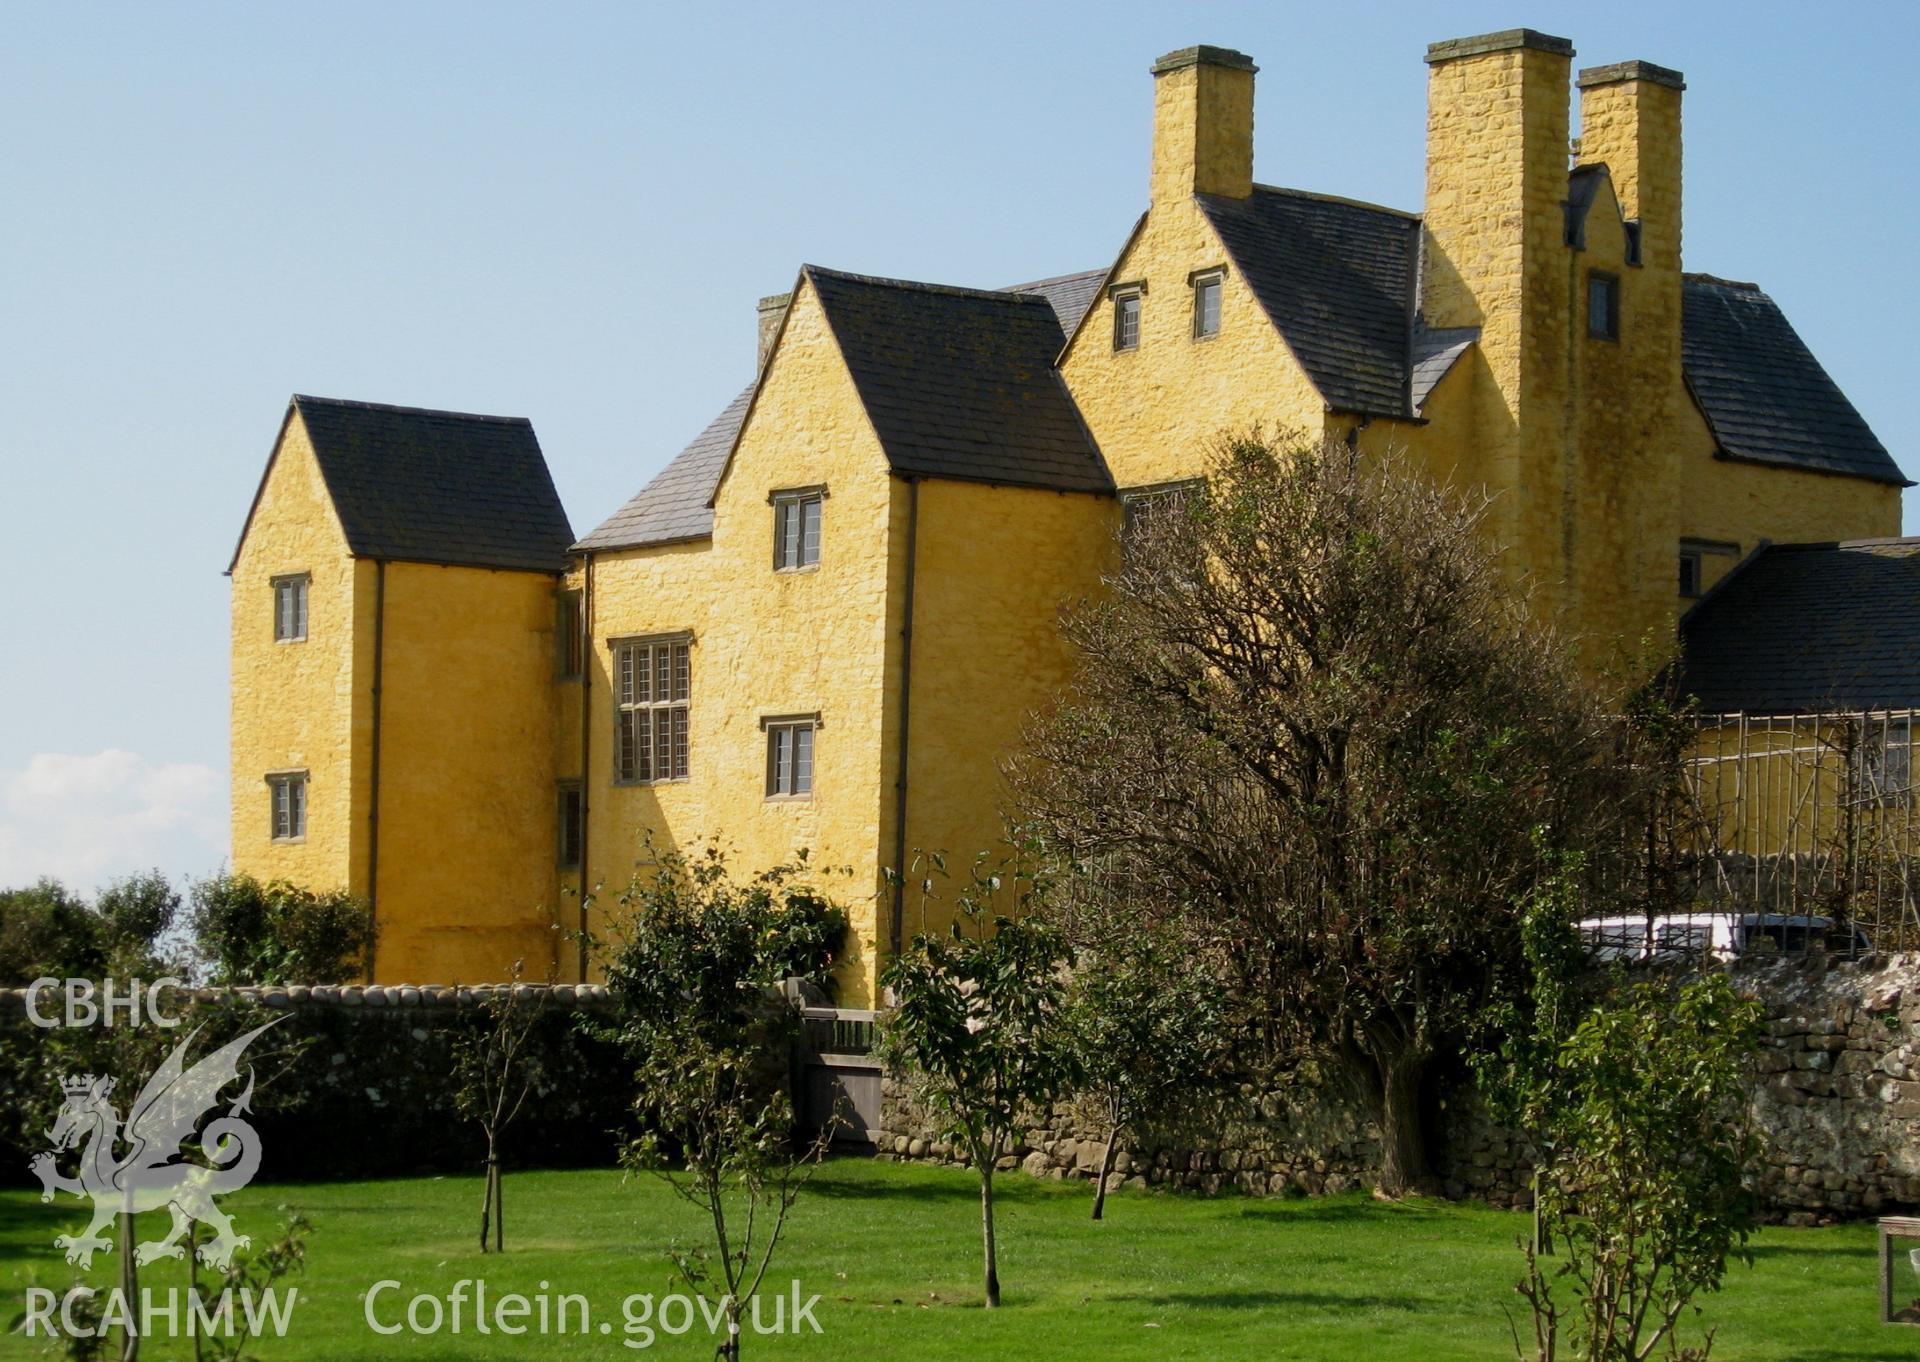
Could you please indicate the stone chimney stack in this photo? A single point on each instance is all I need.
(1494, 256)
(1497, 126)
(1202, 124)
(773, 311)
(1630, 120)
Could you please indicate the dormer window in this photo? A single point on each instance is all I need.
(1126, 315)
(1206, 302)
(1603, 305)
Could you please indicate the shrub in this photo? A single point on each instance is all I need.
(45, 930)
(249, 933)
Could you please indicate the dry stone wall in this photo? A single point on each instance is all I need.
(1835, 1097)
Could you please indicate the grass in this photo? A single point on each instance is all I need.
(893, 1251)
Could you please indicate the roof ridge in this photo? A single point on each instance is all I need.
(1034, 284)
(1332, 198)
(1696, 277)
(1835, 545)
(921, 286)
(358, 405)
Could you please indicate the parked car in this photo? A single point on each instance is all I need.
(1718, 936)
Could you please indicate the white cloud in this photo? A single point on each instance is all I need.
(87, 820)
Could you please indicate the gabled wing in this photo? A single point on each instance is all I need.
(170, 1106)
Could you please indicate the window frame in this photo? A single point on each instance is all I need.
(774, 790)
(569, 633)
(301, 584)
(1213, 277)
(569, 824)
(1696, 552)
(290, 781)
(1135, 500)
(1610, 283)
(624, 685)
(797, 500)
(1693, 564)
(1133, 293)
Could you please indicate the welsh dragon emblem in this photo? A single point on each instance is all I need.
(144, 1166)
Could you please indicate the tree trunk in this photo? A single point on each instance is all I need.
(1106, 1171)
(129, 1289)
(729, 1349)
(1403, 1146)
(499, 1209)
(986, 1232)
(486, 1205)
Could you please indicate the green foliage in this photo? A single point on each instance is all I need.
(135, 913)
(695, 948)
(697, 975)
(278, 933)
(1148, 1028)
(979, 1020)
(252, 1272)
(1643, 1111)
(47, 931)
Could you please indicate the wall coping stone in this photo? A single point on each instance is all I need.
(1622, 71)
(1202, 55)
(1506, 40)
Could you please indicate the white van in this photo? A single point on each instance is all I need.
(1717, 936)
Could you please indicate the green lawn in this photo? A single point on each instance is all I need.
(893, 1252)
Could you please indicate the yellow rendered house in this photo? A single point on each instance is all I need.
(822, 626)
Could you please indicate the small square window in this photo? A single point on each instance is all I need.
(796, 528)
(790, 756)
(290, 609)
(1603, 306)
(287, 792)
(1126, 321)
(571, 821)
(1206, 304)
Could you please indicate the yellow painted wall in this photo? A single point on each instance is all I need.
(995, 566)
(768, 643)
(303, 705)
(468, 821)
(1155, 410)
(1743, 503)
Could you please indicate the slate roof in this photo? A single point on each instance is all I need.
(1765, 396)
(435, 486)
(957, 383)
(1337, 280)
(1802, 627)
(674, 507)
(1435, 351)
(676, 504)
(1069, 294)
(960, 383)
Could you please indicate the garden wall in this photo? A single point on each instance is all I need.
(368, 1086)
(1836, 1099)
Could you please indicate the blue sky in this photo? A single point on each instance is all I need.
(566, 211)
